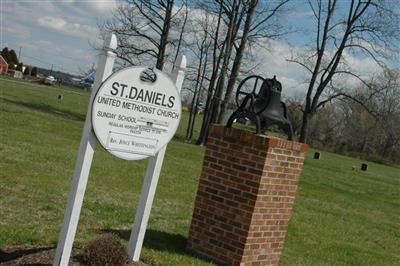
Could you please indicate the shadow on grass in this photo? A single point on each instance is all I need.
(161, 241)
(180, 138)
(49, 109)
(17, 253)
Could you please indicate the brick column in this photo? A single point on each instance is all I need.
(245, 197)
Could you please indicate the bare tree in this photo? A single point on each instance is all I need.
(143, 29)
(217, 55)
(200, 50)
(234, 14)
(87, 71)
(295, 109)
(231, 16)
(185, 15)
(248, 11)
(252, 28)
(238, 26)
(366, 122)
(386, 106)
(359, 26)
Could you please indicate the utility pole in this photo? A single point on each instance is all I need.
(19, 54)
(51, 70)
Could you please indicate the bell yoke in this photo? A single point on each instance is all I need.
(264, 108)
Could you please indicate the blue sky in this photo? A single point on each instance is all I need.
(62, 33)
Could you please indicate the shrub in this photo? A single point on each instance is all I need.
(34, 72)
(19, 67)
(106, 250)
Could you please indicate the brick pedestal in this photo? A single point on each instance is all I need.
(245, 197)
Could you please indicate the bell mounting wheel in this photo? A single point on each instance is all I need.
(249, 86)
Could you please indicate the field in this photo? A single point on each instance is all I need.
(341, 216)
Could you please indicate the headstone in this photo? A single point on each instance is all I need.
(317, 155)
(364, 167)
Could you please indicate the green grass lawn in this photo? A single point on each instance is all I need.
(341, 216)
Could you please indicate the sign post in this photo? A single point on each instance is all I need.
(84, 161)
(134, 113)
(150, 185)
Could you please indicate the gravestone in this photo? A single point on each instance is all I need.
(364, 167)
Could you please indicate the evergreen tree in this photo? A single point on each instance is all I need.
(4, 54)
(19, 67)
(34, 72)
(12, 56)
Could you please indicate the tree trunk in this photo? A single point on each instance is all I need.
(181, 36)
(216, 61)
(194, 99)
(304, 127)
(229, 41)
(238, 60)
(206, 120)
(196, 108)
(189, 131)
(364, 143)
(193, 122)
(191, 114)
(387, 146)
(164, 36)
(217, 97)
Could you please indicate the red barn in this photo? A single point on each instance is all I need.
(3, 65)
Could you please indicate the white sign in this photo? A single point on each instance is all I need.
(122, 143)
(136, 112)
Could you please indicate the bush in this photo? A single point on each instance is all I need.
(19, 67)
(34, 72)
(105, 250)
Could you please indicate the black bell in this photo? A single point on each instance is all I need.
(263, 108)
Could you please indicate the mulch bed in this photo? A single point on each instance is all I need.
(43, 256)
